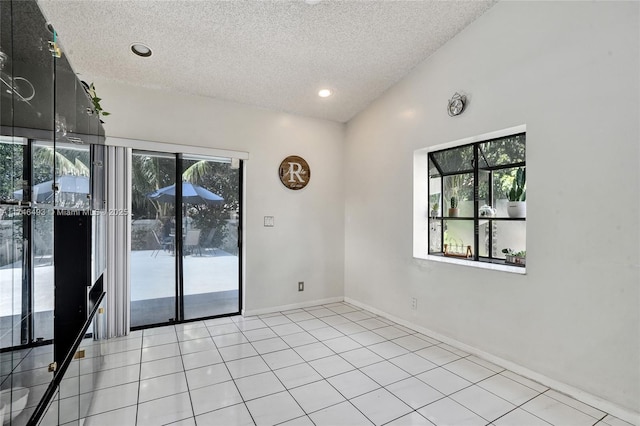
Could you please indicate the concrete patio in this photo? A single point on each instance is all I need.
(210, 288)
(210, 285)
(153, 275)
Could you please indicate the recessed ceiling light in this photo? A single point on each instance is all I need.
(141, 50)
(324, 93)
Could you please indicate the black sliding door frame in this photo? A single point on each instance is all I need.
(180, 235)
(27, 315)
(178, 246)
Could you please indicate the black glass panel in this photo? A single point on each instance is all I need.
(433, 171)
(6, 69)
(504, 151)
(37, 134)
(454, 160)
(458, 195)
(482, 160)
(28, 67)
(11, 164)
(484, 198)
(72, 175)
(65, 105)
(503, 180)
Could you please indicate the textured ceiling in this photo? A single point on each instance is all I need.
(270, 54)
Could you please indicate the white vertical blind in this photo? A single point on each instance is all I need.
(118, 286)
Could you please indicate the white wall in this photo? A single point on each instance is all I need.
(307, 242)
(570, 72)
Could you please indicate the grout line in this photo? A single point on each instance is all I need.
(322, 378)
(139, 377)
(337, 390)
(348, 400)
(348, 322)
(415, 375)
(520, 407)
(575, 408)
(184, 373)
(275, 375)
(244, 402)
(271, 370)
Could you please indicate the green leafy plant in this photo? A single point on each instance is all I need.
(434, 200)
(518, 191)
(91, 91)
(510, 252)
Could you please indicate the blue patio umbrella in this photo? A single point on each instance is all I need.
(67, 184)
(191, 193)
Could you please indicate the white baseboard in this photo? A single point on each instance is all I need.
(248, 313)
(595, 401)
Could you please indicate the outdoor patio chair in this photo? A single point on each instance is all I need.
(192, 242)
(207, 242)
(160, 245)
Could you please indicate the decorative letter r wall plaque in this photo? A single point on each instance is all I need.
(294, 172)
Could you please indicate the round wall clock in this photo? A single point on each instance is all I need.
(456, 104)
(294, 172)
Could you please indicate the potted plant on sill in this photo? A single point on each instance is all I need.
(515, 258)
(434, 209)
(517, 206)
(453, 207)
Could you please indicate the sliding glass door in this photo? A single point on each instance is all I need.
(192, 270)
(153, 267)
(210, 265)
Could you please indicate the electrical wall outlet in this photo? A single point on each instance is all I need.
(269, 221)
(414, 303)
(300, 285)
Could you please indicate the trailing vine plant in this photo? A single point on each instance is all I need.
(91, 91)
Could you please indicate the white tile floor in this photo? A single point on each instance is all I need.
(326, 365)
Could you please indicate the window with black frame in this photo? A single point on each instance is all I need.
(477, 201)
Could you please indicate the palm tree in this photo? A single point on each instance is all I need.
(197, 172)
(148, 172)
(60, 157)
(151, 173)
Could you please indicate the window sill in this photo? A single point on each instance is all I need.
(481, 265)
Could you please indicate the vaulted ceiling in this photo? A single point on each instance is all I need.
(269, 54)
